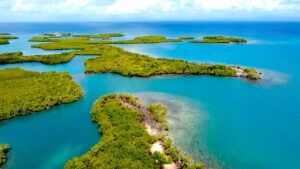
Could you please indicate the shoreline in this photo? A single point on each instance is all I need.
(186, 118)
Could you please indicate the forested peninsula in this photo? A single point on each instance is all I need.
(127, 141)
(114, 59)
(24, 92)
(6, 37)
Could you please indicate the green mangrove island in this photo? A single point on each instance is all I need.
(4, 148)
(127, 141)
(6, 37)
(17, 57)
(219, 39)
(113, 59)
(24, 92)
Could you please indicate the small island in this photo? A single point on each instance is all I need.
(133, 136)
(6, 37)
(50, 37)
(18, 57)
(4, 148)
(24, 92)
(105, 36)
(220, 39)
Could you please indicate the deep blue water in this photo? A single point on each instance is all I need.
(236, 123)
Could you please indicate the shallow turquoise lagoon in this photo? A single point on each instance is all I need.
(227, 122)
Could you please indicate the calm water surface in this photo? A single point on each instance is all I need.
(227, 122)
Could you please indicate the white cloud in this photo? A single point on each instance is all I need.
(137, 6)
(248, 5)
(149, 9)
(21, 5)
(64, 6)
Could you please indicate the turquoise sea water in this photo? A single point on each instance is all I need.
(228, 122)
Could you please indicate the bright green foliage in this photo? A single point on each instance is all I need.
(251, 74)
(106, 36)
(50, 37)
(18, 57)
(4, 148)
(124, 144)
(219, 39)
(5, 37)
(161, 158)
(158, 113)
(3, 41)
(176, 154)
(141, 40)
(8, 37)
(117, 60)
(152, 39)
(43, 39)
(23, 92)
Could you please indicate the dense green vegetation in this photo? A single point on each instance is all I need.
(117, 60)
(4, 148)
(43, 39)
(23, 92)
(158, 113)
(143, 39)
(251, 73)
(50, 37)
(219, 39)
(125, 142)
(17, 57)
(3, 41)
(5, 37)
(106, 36)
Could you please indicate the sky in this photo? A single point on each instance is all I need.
(148, 10)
